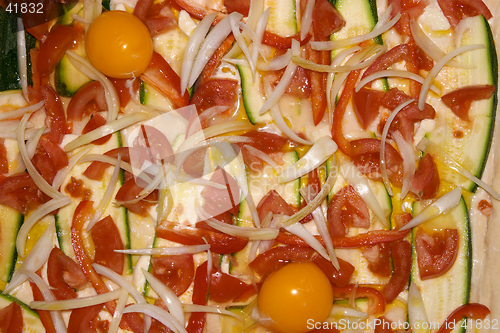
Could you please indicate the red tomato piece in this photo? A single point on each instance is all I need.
(326, 20)
(273, 259)
(130, 191)
(94, 122)
(456, 10)
(64, 275)
(436, 253)
(219, 242)
(215, 60)
(339, 277)
(197, 320)
(162, 77)
(218, 201)
(365, 154)
(11, 318)
(347, 209)
(154, 144)
(408, 9)
(401, 261)
(56, 154)
(460, 100)
(300, 86)
(45, 317)
(97, 169)
(281, 43)
(379, 259)
(158, 17)
(266, 141)
(176, 272)
(56, 118)
(240, 6)
(125, 89)
(318, 81)
(20, 192)
(107, 239)
(366, 103)
(396, 54)
(215, 92)
(225, 288)
(471, 311)
(426, 180)
(274, 203)
(88, 99)
(84, 319)
(376, 303)
(60, 39)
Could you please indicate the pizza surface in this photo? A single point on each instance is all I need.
(249, 166)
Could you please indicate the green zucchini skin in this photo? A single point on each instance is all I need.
(9, 69)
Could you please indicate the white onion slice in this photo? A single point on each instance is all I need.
(428, 46)
(109, 128)
(167, 251)
(34, 217)
(361, 185)
(383, 165)
(276, 63)
(22, 58)
(38, 256)
(119, 280)
(14, 114)
(86, 68)
(76, 303)
(437, 68)
(379, 29)
(245, 232)
(114, 325)
(157, 313)
(307, 18)
(64, 172)
(106, 198)
(255, 12)
(430, 147)
(417, 315)
(111, 160)
(318, 199)
(33, 172)
(259, 34)
(263, 156)
(280, 88)
(438, 207)
(167, 295)
(408, 155)
(321, 225)
(32, 142)
(214, 38)
(395, 73)
(241, 41)
(317, 155)
(193, 47)
(299, 230)
(340, 311)
(56, 316)
(210, 309)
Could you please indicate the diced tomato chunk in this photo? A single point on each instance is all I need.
(59, 40)
(94, 122)
(56, 117)
(240, 6)
(216, 92)
(274, 203)
(225, 288)
(436, 252)
(64, 275)
(88, 99)
(176, 272)
(366, 103)
(326, 20)
(340, 277)
(97, 169)
(201, 287)
(20, 192)
(107, 240)
(125, 89)
(379, 259)
(85, 319)
(11, 318)
(346, 209)
(215, 60)
(130, 191)
(426, 180)
(460, 100)
(456, 10)
(266, 141)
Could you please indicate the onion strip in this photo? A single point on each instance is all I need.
(157, 313)
(318, 199)
(114, 325)
(22, 58)
(263, 156)
(76, 303)
(385, 131)
(438, 207)
(307, 18)
(167, 251)
(300, 231)
(437, 68)
(14, 114)
(395, 73)
(109, 128)
(64, 172)
(408, 155)
(34, 217)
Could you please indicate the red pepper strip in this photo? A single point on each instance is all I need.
(376, 303)
(369, 238)
(200, 296)
(401, 260)
(340, 109)
(471, 310)
(83, 213)
(45, 317)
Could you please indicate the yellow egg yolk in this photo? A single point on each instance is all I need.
(295, 297)
(119, 45)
